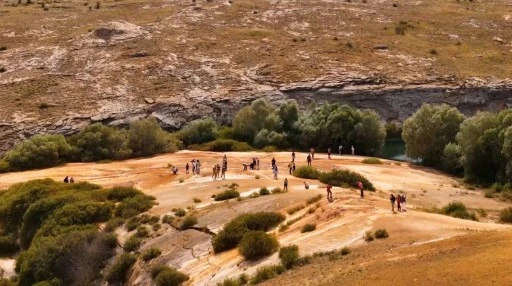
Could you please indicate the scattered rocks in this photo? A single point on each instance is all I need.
(149, 100)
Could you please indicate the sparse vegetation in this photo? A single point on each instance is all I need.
(289, 256)
(368, 236)
(188, 222)
(295, 209)
(313, 200)
(345, 251)
(458, 210)
(344, 178)
(308, 227)
(167, 219)
(257, 244)
(118, 272)
(180, 212)
(265, 273)
(381, 233)
(197, 200)
(506, 215)
(307, 172)
(372, 161)
(226, 195)
(264, 192)
(166, 276)
(150, 254)
(132, 244)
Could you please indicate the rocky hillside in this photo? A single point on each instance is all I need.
(64, 64)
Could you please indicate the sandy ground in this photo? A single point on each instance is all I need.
(341, 223)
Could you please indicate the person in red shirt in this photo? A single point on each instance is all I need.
(361, 188)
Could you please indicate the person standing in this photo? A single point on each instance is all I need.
(293, 167)
(293, 156)
(275, 172)
(285, 184)
(329, 153)
(353, 150)
(398, 203)
(198, 167)
(258, 163)
(339, 149)
(273, 162)
(312, 151)
(392, 201)
(361, 188)
(290, 166)
(187, 167)
(404, 203)
(309, 159)
(329, 193)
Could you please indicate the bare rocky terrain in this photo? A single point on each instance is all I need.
(432, 249)
(66, 63)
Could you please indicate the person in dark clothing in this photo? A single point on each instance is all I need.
(187, 167)
(329, 193)
(66, 179)
(329, 153)
(293, 156)
(285, 184)
(392, 199)
(309, 159)
(361, 188)
(273, 162)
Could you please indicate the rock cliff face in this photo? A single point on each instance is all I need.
(393, 103)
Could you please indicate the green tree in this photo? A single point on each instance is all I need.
(99, 142)
(147, 138)
(199, 131)
(251, 119)
(40, 151)
(429, 130)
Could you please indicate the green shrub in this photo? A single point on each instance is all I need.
(150, 254)
(118, 194)
(278, 191)
(506, 215)
(368, 236)
(196, 200)
(295, 209)
(233, 231)
(113, 224)
(222, 145)
(167, 276)
(142, 231)
(147, 138)
(381, 233)
(257, 244)
(40, 151)
(8, 245)
(255, 195)
(188, 222)
(458, 210)
(344, 178)
(271, 149)
(149, 219)
(131, 225)
(167, 219)
(118, 272)
(226, 195)
(307, 172)
(98, 142)
(198, 131)
(264, 192)
(134, 205)
(289, 256)
(132, 244)
(265, 273)
(308, 227)
(229, 282)
(314, 199)
(372, 161)
(345, 251)
(180, 212)
(4, 166)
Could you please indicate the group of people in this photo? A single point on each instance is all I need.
(254, 165)
(196, 167)
(68, 179)
(400, 200)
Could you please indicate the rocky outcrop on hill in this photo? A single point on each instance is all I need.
(392, 102)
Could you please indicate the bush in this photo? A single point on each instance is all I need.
(8, 245)
(147, 138)
(167, 219)
(345, 251)
(167, 276)
(289, 256)
(197, 200)
(506, 215)
(226, 195)
(198, 131)
(131, 225)
(188, 222)
(133, 206)
(372, 161)
(264, 192)
(131, 244)
(368, 236)
(308, 227)
(295, 209)
(278, 191)
(266, 273)
(381, 233)
(113, 224)
(344, 178)
(458, 210)
(313, 200)
(233, 231)
(40, 151)
(150, 254)
(180, 212)
(307, 172)
(98, 142)
(222, 145)
(4, 166)
(118, 272)
(142, 231)
(257, 244)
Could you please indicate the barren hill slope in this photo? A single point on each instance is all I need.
(69, 64)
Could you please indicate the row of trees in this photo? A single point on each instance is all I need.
(95, 142)
(478, 147)
(259, 125)
(262, 124)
